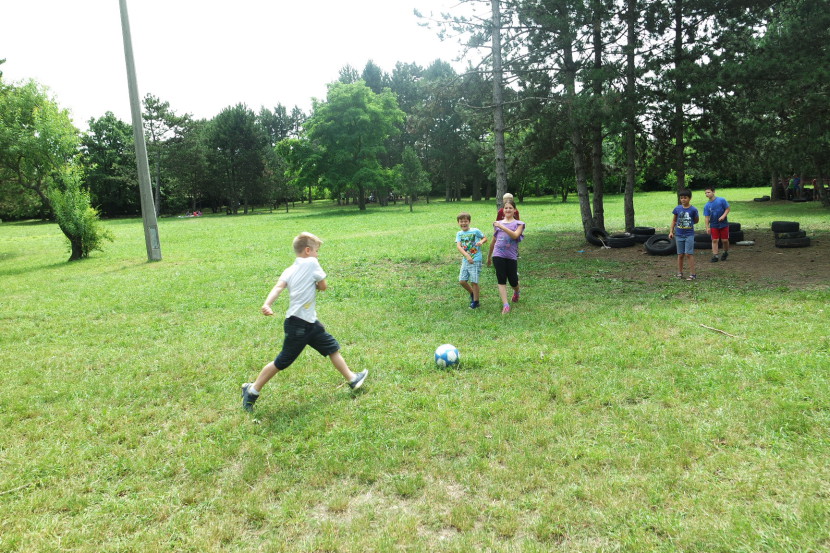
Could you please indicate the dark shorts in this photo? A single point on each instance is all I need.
(506, 270)
(298, 335)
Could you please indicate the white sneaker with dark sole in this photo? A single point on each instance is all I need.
(358, 380)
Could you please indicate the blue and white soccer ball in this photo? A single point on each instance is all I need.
(447, 355)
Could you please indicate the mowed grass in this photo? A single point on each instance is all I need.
(597, 416)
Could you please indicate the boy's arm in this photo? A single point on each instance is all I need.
(671, 227)
(272, 297)
(707, 217)
(321, 285)
(725, 213)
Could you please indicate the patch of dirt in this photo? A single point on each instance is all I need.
(762, 263)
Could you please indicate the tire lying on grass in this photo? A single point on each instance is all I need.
(785, 226)
(734, 226)
(795, 234)
(597, 236)
(621, 240)
(802, 242)
(660, 244)
(761, 199)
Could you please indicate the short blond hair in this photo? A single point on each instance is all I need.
(507, 196)
(306, 240)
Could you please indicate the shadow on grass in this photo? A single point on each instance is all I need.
(30, 269)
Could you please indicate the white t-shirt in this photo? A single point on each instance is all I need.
(301, 279)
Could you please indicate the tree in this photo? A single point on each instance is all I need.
(350, 128)
(237, 143)
(410, 178)
(37, 139)
(77, 219)
(108, 158)
(161, 127)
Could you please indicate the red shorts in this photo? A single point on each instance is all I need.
(722, 233)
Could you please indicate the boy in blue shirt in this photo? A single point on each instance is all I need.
(468, 241)
(684, 217)
(715, 212)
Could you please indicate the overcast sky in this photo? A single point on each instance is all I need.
(204, 55)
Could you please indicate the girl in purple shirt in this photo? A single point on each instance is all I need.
(507, 234)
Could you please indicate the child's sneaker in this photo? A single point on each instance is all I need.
(506, 309)
(248, 397)
(474, 304)
(358, 379)
(724, 256)
(692, 277)
(515, 296)
(715, 258)
(679, 275)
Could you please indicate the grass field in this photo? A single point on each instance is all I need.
(597, 416)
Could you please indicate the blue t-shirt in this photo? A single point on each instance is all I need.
(468, 241)
(686, 217)
(714, 210)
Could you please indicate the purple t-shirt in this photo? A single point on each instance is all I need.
(505, 246)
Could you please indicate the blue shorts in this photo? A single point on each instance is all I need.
(685, 244)
(298, 335)
(469, 271)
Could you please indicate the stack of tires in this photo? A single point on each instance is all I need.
(789, 235)
(642, 234)
(598, 237)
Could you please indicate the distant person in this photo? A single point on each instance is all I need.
(505, 257)
(684, 217)
(468, 241)
(714, 213)
(500, 215)
(302, 328)
(793, 188)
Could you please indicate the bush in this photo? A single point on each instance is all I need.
(77, 219)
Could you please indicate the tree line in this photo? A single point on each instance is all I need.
(566, 96)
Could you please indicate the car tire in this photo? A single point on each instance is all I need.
(597, 236)
(619, 241)
(737, 236)
(647, 231)
(660, 244)
(795, 234)
(802, 242)
(734, 226)
(785, 226)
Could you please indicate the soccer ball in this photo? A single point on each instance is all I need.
(447, 356)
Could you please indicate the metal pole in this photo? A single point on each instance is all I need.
(148, 209)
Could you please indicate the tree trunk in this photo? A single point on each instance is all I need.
(631, 123)
(498, 105)
(679, 86)
(569, 71)
(598, 175)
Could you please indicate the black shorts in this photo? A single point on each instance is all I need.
(506, 270)
(298, 335)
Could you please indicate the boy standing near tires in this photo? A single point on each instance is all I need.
(684, 217)
(714, 213)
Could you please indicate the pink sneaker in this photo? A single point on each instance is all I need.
(515, 297)
(506, 309)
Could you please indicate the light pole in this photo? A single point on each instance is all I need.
(148, 209)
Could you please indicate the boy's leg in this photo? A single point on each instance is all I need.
(691, 257)
(266, 374)
(340, 364)
(476, 290)
(466, 285)
(680, 263)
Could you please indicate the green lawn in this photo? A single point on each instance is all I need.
(597, 416)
